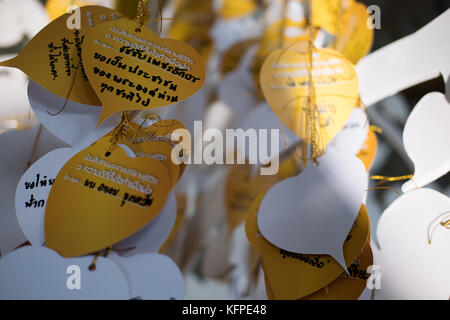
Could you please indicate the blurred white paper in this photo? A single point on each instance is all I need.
(262, 117)
(32, 193)
(150, 238)
(313, 212)
(39, 273)
(76, 124)
(426, 138)
(414, 59)
(353, 135)
(17, 146)
(412, 268)
(151, 276)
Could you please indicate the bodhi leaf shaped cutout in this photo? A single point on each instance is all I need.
(34, 272)
(53, 57)
(295, 275)
(32, 192)
(131, 68)
(426, 139)
(97, 201)
(319, 206)
(316, 112)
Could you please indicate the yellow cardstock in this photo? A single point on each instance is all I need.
(131, 68)
(285, 81)
(293, 275)
(160, 151)
(160, 131)
(325, 14)
(53, 57)
(354, 39)
(369, 150)
(348, 286)
(98, 200)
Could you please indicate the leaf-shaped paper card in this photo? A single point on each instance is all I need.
(293, 275)
(414, 238)
(32, 192)
(53, 57)
(75, 125)
(354, 38)
(131, 68)
(348, 286)
(38, 273)
(99, 200)
(318, 110)
(319, 206)
(151, 276)
(426, 139)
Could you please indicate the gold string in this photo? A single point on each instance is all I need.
(445, 224)
(70, 91)
(376, 129)
(312, 108)
(120, 131)
(389, 188)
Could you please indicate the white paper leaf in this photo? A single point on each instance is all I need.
(313, 212)
(412, 268)
(32, 192)
(427, 140)
(39, 273)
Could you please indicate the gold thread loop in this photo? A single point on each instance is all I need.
(444, 223)
(386, 179)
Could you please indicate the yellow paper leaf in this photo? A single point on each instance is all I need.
(97, 201)
(293, 275)
(285, 81)
(354, 39)
(131, 68)
(348, 287)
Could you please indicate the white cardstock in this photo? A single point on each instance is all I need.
(353, 135)
(426, 138)
(18, 147)
(262, 117)
(412, 267)
(76, 124)
(313, 212)
(151, 276)
(417, 58)
(39, 273)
